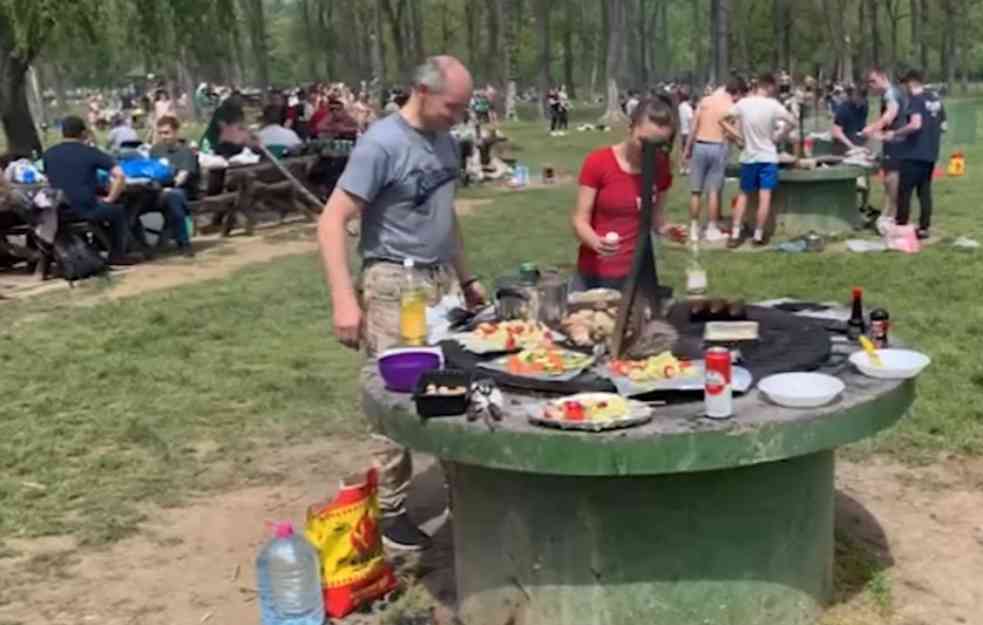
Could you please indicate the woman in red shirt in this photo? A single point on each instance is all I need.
(609, 198)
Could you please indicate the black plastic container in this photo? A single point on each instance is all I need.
(428, 406)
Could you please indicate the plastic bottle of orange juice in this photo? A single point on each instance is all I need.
(412, 307)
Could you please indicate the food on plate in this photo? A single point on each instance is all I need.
(546, 360)
(512, 335)
(588, 327)
(594, 407)
(433, 389)
(665, 366)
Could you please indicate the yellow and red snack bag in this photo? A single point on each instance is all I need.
(345, 533)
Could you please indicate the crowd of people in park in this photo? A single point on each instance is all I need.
(763, 117)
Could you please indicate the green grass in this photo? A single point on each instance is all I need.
(149, 399)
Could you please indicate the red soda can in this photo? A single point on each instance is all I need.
(717, 390)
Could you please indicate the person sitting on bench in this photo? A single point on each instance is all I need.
(184, 164)
(73, 167)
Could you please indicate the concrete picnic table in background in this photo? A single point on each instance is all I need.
(684, 520)
(823, 200)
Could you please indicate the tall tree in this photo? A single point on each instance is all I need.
(894, 14)
(26, 28)
(545, 60)
(571, 17)
(255, 16)
(395, 17)
(875, 31)
(923, 38)
(418, 8)
(512, 18)
(721, 40)
(615, 59)
(495, 9)
(472, 15)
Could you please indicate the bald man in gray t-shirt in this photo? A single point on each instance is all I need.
(407, 179)
(400, 181)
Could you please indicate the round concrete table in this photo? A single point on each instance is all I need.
(823, 200)
(685, 520)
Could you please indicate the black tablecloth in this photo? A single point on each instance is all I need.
(787, 343)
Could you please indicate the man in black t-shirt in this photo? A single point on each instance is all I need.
(73, 167)
(918, 140)
(850, 118)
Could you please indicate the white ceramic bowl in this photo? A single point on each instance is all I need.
(801, 390)
(899, 364)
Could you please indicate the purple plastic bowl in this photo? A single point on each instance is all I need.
(402, 367)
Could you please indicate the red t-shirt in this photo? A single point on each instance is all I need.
(616, 209)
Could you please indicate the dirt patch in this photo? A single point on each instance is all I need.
(924, 526)
(922, 529)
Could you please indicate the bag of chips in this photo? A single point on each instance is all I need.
(345, 532)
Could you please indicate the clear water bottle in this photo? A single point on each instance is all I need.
(288, 569)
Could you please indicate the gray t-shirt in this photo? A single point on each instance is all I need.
(759, 117)
(408, 178)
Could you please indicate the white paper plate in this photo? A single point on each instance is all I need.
(899, 364)
(801, 390)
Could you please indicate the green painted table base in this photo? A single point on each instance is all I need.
(751, 546)
(821, 200)
(682, 521)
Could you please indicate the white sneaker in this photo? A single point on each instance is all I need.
(714, 235)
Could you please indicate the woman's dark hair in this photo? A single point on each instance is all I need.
(654, 110)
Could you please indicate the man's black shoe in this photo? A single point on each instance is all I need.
(400, 533)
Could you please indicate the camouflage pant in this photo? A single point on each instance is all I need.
(380, 285)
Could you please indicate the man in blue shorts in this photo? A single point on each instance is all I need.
(753, 122)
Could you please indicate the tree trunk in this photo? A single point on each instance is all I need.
(664, 36)
(15, 113)
(643, 36)
(616, 37)
(569, 22)
(377, 54)
(783, 34)
(493, 53)
(875, 31)
(545, 61)
(473, 21)
(395, 18)
(914, 22)
(722, 45)
(511, 17)
(699, 60)
(923, 40)
(949, 43)
(586, 44)
(417, 8)
(256, 22)
(862, 38)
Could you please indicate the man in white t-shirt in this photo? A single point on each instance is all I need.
(272, 133)
(685, 113)
(753, 122)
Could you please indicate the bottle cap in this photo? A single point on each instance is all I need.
(858, 292)
(408, 263)
(283, 529)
